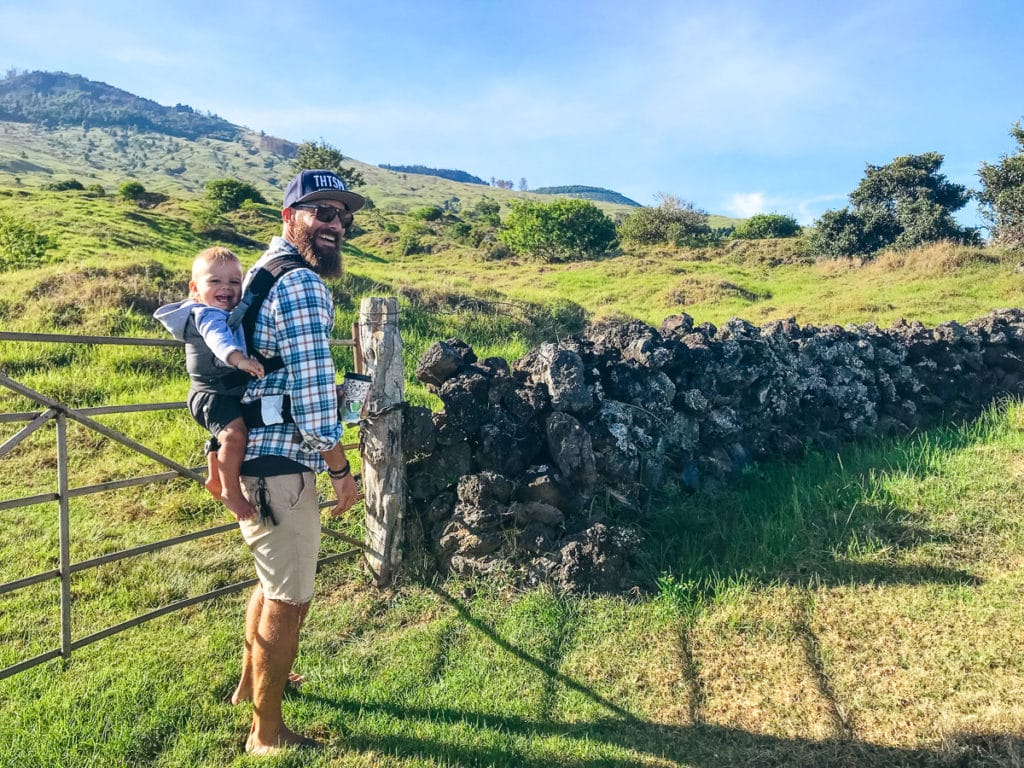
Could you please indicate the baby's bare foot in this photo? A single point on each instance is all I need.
(213, 486)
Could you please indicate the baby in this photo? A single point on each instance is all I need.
(213, 352)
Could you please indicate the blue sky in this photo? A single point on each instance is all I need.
(740, 107)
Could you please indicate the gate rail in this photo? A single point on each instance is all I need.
(60, 413)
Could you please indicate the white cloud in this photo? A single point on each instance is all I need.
(746, 204)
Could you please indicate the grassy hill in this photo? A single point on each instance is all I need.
(856, 608)
(55, 126)
(588, 193)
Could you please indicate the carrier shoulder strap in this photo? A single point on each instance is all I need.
(245, 314)
(255, 294)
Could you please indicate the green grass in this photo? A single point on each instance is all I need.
(859, 608)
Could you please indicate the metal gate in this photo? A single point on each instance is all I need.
(61, 413)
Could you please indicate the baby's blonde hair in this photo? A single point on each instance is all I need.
(212, 255)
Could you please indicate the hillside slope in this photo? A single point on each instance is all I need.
(56, 126)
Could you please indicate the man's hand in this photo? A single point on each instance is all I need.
(345, 491)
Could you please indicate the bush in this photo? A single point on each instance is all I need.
(427, 213)
(21, 244)
(96, 190)
(229, 194)
(487, 211)
(767, 225)
(563, 230)
(64, 186)
(409, 243)
(903, 204)
(671, 221)
(1002, 195)
(131, 190)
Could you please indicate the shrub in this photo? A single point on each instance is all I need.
(767, 225)
(671, 221)
(1002, 195)
(21, 244)
(487, 211)
(563, 230)
(131, 190)
(96, 190)
(229, 194)
(427, 213)
(64, 186)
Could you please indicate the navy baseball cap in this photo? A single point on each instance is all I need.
(310, 186)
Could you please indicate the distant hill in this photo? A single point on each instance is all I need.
(444, 173)
(55, 127)
(60, 100)
(588, 193)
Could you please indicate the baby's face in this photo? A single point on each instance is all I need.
(218, 284)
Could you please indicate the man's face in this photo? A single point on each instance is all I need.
(217, 284)
(319, 241)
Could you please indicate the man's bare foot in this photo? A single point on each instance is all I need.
(286, 739)
(244, 692)
(238, 506)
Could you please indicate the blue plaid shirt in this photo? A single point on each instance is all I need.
(295, 323)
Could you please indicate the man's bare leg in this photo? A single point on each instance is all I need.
(243, 692)
(273, 651)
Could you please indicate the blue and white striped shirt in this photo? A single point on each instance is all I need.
(295, 323)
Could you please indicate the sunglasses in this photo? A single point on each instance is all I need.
(326, 214)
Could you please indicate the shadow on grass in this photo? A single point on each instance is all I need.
(698, 744)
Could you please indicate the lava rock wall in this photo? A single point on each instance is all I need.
(516, 473)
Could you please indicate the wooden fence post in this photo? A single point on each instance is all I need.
(381, 436)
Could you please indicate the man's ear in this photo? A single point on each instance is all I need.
(287, 214)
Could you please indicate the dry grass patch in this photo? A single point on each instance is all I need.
(709, 289)
(934, 259)
(753, 661)
(915, 665)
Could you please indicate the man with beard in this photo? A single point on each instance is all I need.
(294, 324)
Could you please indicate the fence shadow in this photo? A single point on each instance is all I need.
(698, 744)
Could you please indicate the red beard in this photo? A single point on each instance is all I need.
(322, 258)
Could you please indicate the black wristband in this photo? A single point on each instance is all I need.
(337, 474)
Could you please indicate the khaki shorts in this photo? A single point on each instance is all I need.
(285, 553)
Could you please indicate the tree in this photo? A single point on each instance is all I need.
(320, 154)
(563, 230)
(1002, 194)
(767, 225)
(229, 194)
(131, 190)
(672, 221)
(903, 204)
